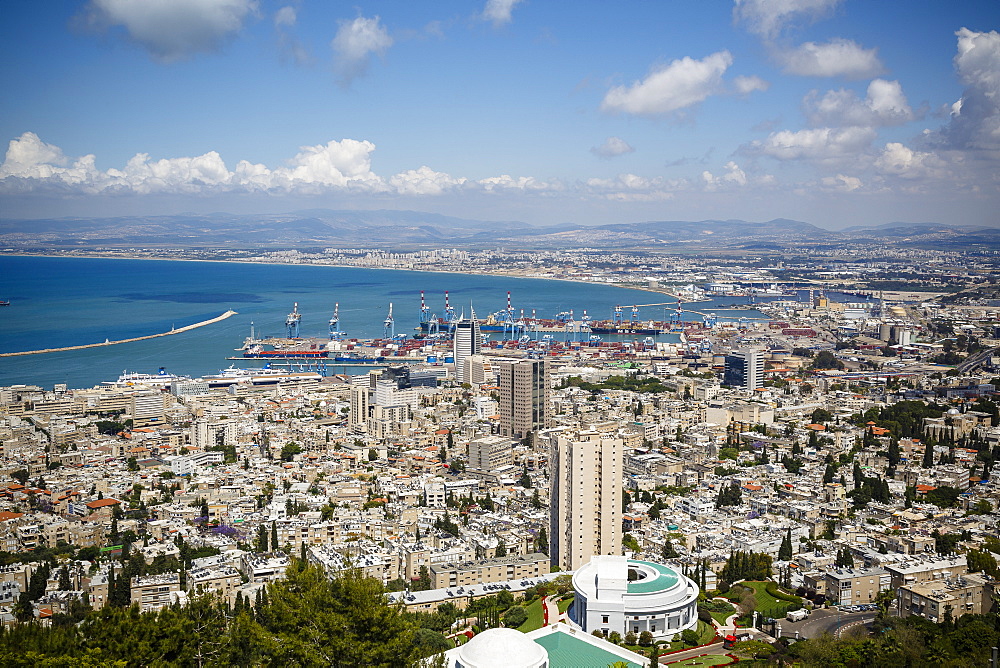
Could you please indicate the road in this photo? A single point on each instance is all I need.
(826, 621)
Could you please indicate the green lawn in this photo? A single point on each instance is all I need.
(766, 604)
(535, 617)
(706, 633)
(707, 660)
(565, 603)
(721, 617)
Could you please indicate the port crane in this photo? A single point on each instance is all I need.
(292, 322)
(335, 332)
(449, 314)
(390, 328)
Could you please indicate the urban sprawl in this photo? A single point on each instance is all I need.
(608, 496)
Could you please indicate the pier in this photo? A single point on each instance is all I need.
(179, 330)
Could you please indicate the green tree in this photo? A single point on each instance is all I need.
(64, 581)
(289, 450)
(785, 551)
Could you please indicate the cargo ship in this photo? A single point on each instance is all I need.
(257, 353)
(630, 328)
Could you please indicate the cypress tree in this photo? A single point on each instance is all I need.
(785, 551)
(928, 454)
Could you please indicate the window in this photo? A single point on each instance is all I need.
(604, 619)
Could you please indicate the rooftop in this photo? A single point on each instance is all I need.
(658, 578)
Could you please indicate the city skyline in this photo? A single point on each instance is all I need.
(827, 111)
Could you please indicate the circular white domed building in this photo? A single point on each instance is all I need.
(501, 648)
(620, 594)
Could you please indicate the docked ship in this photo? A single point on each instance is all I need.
(264, 376)
(649, 328)
(159, 379)
(258, 353)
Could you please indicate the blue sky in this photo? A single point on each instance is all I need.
(836, 112)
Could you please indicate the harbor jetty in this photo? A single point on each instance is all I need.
(176, 330)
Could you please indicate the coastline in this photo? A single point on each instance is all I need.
(499, 272)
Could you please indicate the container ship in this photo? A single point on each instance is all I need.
(258, 353)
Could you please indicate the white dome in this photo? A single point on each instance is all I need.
(502, 648)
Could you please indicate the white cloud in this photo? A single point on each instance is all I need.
(975, 122)
(611, 148)
(733, 176)
(746, 85)
(356, 42)
(901, 161)
(842, 183)
(424, 181)
(498, 12)
(836, 58)
(633, 188)
(30, 157)
(819, 144)
(521, 183)
(767, 18)
(172, 30)
(680, 84)
(884, 105)
(286, 17)
(32, 164)
(290, 47)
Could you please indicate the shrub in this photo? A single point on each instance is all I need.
(704, 616)
(515, 617)
(630, 638)
(690, 637)
(772, 589)
(645, 639)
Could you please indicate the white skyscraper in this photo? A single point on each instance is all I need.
(745, 368)
(467, 342)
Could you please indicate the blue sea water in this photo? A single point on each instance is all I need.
(57, 302)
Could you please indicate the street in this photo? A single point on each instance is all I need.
(825, 621)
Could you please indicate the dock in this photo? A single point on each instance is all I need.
(178, 330)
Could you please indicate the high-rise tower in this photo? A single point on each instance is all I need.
(524, 396)
(745, 368)
(586, 497)
(467, 341)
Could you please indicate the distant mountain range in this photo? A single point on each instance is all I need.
(390, 228)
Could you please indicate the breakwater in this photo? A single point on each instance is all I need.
(178, 330)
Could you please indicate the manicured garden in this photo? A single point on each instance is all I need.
(535, 617)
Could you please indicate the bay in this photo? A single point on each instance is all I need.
(60, 301)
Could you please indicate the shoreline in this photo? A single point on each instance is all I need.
(500, 272)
